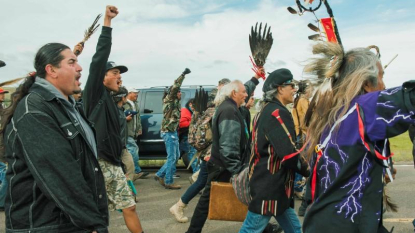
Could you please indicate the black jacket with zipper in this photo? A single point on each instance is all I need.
(55, 181)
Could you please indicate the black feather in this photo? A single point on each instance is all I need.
(292, 11)
(313, 27)
(260, 43)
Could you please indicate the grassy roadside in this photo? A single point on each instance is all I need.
(401, 146)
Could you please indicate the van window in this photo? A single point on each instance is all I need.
(154, 101)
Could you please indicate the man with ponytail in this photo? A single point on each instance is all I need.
(347, 139)
(55, 183)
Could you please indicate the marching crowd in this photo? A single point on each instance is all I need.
(337, 143)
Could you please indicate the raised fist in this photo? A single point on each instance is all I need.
(186, 71)
(111, 12)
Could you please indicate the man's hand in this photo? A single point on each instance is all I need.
(110, 13)
(129, 117)
(139, 132)
(262, 71)
(77, 50)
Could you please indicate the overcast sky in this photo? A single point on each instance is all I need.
(157, 39)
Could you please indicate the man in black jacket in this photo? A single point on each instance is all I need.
(105, 77)
(55, 182)
(229, 145)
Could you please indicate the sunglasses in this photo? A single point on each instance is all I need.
(293, 86)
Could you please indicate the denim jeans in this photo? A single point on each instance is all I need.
(190, 151)
(132, 147)
(172, 147)
(256, 223)
(195, 188)
(3, 183)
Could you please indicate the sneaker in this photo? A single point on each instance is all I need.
(143, 174)
(172, 186)
(273, 228)
(160, 180)
(176, 176)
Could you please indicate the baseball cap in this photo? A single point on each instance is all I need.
(132, 89)
(3, 91)
(113, 65)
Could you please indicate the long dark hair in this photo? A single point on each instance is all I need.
(47, 54)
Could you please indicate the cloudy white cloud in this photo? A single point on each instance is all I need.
(157, 39)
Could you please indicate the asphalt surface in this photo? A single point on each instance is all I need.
(154, 202)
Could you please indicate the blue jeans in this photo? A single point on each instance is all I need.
(189, 150)
(200, 183)
(256, 223)
(133, 149)
(172, 147)
(3, 183)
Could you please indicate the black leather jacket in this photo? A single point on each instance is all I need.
(230, 137)
(55, 181)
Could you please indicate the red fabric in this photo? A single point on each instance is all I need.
(328, 26)
(314, 180)
(362, 136)
(185, 118)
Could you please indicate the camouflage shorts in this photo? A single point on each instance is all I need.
(118, 192)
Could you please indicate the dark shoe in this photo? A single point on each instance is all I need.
(137, 176)
(172, 186)
(143, 174)
(272, 228)
(160, 180)
(302, 209)
(176, 176)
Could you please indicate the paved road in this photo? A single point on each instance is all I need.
(155, 201)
